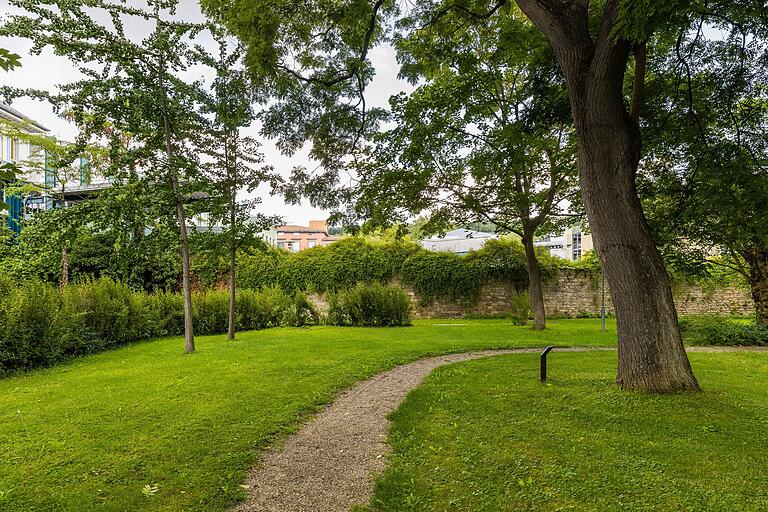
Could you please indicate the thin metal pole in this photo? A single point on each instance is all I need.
(602, 293)
(543, 363)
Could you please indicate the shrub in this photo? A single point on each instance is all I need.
(30, 331)
(41, 324)
(722, 331)
(371, 304)
(324, 268)
(210, 312)
(521, 308)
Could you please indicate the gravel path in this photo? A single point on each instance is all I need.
(726, 349)
(329, 465)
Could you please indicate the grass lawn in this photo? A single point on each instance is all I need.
(91, 434)
(485, 435)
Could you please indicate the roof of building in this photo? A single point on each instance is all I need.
(298, 229)
(460, 234)
(14, 115)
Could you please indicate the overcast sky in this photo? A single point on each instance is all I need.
(46, 71)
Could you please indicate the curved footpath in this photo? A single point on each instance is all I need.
(330, 464)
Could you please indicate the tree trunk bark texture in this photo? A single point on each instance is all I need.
(534, 284)
(651, 352)
(757, 259)
(64, 265)
(651, 355)
(186, 285)
(232, 269)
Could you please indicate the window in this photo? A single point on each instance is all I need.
(576, 246)
(296, 233)
(281, 245)
(281, 233)
(295, 247)
(311, 243)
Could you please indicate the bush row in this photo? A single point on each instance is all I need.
(352, 260)
(41, 324)
(722, 331)
(372, 305)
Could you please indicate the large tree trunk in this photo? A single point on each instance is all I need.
(757, 259)
(534, 283)
(651, 352)
(232, 264)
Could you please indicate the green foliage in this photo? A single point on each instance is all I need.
(521, 308)
(333, 267)
(722, 331)
(354, 260)
(149, 262)
(370, 305)
(9, 60)
(41, 324)
(443, 274)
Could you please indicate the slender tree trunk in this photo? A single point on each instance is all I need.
(232, 264)
(535, 291)
(64, 248)
(757, 259)
(64, 264)
(189, 337)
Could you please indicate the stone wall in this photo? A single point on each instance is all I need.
(572, 293)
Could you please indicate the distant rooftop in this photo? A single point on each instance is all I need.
(299, 229)
(10, 113)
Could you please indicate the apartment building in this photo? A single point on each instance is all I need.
(571, 245)
(14, 150)
(295, 238)
(53, 189)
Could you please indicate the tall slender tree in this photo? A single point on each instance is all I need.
(135, 86)
(236, 163)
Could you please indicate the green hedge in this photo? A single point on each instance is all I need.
(722, 331)
(353, 260)
(325, 268)
(41, 324)
(371, 305)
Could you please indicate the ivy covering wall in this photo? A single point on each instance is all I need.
(353, 260)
